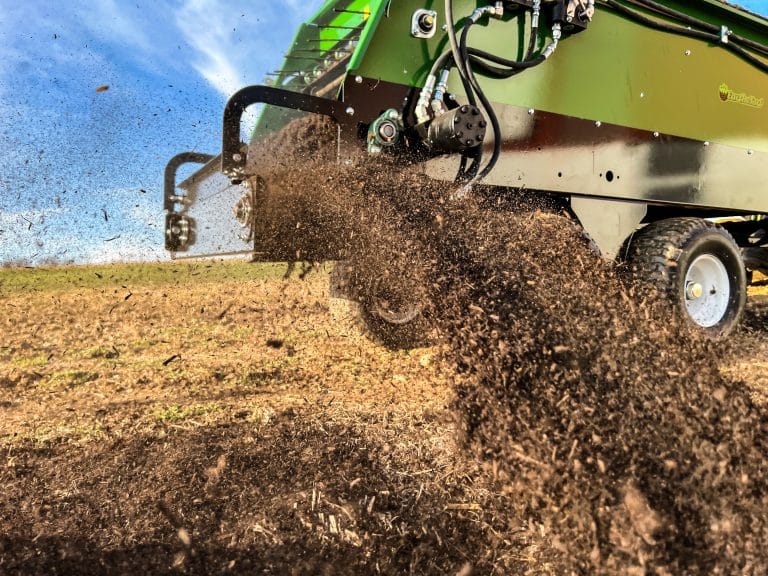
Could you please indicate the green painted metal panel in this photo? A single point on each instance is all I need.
(339, 29)
(379, 9)
(616, 71)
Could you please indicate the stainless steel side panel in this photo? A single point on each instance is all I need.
(209, 200)
(545, 151)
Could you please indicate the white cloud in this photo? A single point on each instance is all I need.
(218, 58)
(236, 46)
(236, 42)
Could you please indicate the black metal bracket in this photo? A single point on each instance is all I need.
(169, 181)
(233, 157)
(179, 229)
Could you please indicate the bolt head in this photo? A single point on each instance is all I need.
(694, 291)
(358, 79)
(387, 131)
(426, 22)
(350, 111)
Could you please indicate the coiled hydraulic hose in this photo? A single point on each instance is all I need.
(472, 58)
(464, 58)
(475, 153)
(484, 100)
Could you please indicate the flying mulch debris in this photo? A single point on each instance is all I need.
(624, 444)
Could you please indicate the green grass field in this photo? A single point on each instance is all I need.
(19, 280)
(16, 280)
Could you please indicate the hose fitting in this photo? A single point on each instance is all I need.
(536, 13)
(552, 46)
(495, 10)
(422, 113)
(438, 105)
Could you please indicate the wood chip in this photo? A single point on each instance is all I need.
(463, 506)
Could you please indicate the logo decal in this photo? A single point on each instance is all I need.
(728, 95)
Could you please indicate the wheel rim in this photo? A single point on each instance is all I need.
(707, 290)
(394, 306)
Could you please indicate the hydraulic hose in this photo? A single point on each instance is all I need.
(712, 36)
(661, 26)
(485, 103)
(494, 126)
(476, 153)
(471, 58)
(468, 60)
(477, 57)
(679, 16)
(456, 54)
(464, 58)
(515, 65)
(752, 45)
(441, 62)
(691, 21)
(536, 10)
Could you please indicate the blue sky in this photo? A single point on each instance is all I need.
(81, 170)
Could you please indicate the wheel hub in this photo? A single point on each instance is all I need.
(693, 290)
(707, 290)
(394, 305)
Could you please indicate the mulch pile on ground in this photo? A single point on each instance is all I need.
(300, 494)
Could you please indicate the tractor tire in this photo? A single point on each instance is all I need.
(391, 322)
(697, 266)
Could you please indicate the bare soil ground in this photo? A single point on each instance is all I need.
(227, 427)
(199, 424)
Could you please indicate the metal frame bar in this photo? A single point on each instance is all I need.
(169, 179)
(233, 157)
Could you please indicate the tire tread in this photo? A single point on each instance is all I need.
(655, 250)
